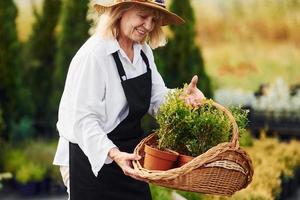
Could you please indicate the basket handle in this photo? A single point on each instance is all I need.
(235, 131)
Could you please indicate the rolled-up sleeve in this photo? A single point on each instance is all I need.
(89, 113)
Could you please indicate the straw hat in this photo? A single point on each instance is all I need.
(169, 17)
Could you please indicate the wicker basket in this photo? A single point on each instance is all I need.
(222, 170)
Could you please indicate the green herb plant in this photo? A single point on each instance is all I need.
(193, 130)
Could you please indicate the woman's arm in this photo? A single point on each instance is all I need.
(86, 100)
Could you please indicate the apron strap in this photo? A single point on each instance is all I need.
(120, 67)
(145, 60)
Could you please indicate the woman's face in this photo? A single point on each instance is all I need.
(135, 24)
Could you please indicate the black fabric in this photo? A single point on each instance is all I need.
(111, 183)
(119, 63)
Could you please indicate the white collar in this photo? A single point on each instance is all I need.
(112, 45)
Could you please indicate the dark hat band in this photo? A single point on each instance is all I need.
(161, 3)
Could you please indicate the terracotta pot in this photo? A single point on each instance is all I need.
(156, 159)
(183, 159)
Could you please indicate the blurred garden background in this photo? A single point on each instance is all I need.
(245, 52)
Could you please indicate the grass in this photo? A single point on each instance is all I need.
(248, 65)
(246, 43)
(268, 20)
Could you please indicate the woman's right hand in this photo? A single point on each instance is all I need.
(124, 160)
(193, 95)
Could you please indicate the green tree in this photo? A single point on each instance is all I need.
(40, 54)
(10, 65)
(180, 59)
(74, 31)
(2, 125)
(1, 143)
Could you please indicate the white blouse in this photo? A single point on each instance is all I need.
(93, 102)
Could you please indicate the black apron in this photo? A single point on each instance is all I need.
(111, 183)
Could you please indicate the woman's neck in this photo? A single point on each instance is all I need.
(127, 46)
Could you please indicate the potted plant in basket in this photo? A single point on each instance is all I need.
(191, 131)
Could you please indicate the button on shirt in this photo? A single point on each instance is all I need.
(93, 102)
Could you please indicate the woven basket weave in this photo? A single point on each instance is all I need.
(222, 170)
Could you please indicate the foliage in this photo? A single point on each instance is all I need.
(181, 58)
(246, 139)
(190, 195)
(160, 193)
(240, 48)
(192, 131)
(271, 160)
(30, 172)
(21, 131)
(274, 21)
(30, 161)
(4, 176)
(2, 124)
(10, 79)
(40, 63)
(73, 32)
(1, 140)
(241, 118)
(231, 37)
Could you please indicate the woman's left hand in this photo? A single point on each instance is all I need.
(124, 160)
(193, 94)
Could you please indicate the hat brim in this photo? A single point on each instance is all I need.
(168, 18)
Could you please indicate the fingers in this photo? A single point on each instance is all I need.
(128, 171)
(200, 95)
(131, 156)
(194, 81)
(193, 85)
(193, 102)
(196, 102)
(124, 159)
(139, 178)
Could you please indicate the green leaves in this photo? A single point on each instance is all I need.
(181, 57)
(192, 131)
(31, 161)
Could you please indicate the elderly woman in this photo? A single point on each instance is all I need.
(111, 84)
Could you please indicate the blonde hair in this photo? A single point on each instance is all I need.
(108, 25)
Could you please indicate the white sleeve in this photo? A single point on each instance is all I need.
(159, 89)
(88, 97)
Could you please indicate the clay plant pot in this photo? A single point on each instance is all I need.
(156, 159)
(183, 159)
